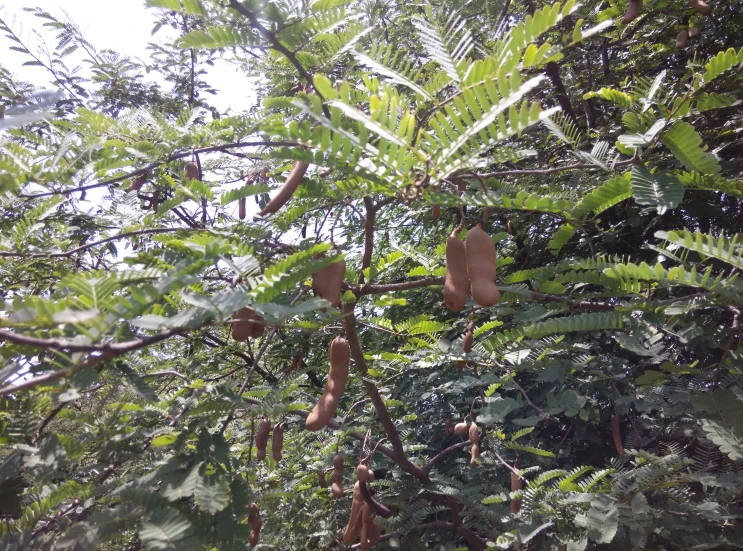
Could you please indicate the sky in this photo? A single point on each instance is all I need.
(120, 25)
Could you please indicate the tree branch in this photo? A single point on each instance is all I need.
(166, 373)
(94, 244)
(156, 164)
(443, 453)
(349, 324)
(368, 236)
(279, 47)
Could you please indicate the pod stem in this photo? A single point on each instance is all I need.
(486, 191)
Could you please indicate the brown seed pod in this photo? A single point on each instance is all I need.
(617, 434)
(138, 182)
(336, 477)
(290, 185)
(321, 480)
(474, 433)
(374, 532)
(251, 328)
(241, 209)
(701, 6)
(254, 519)
(681, 39)
(456, 284)
(354, 520)
(456, 520)
(448, 428)
(634, 8)
(694, 32)
(328, 282)
(377, 507)
(370, 475)
(296, 363)
(366, 517)
(340, 358)
(480, 253)
(362, 473)
(516, 485)
(469, 338)
(474, 454)
(192, 171)
(436, 212)
(277, 441)
(261, 438)
(460, 429)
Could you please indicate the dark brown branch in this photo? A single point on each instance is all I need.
(443, 453)
(368, 236)
(46, 421)
(279, 47)
(166, 373)
(156, 164)
(94, 244)
(349, 324)
(553, 73)
(108, 352)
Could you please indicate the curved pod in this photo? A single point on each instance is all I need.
(634, 7)
(277, 442)
(516, 485)
(340, 359)
(261, 438)
(701, 6)
(290, 185)
(241, 208)
(469, 339)
(460, 429)
(456, 283)
(192, 171)
(480, 252)
(354, 520)
(328, 282)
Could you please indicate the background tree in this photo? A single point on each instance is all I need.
(603, 160)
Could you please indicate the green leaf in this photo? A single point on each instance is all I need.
(212, 494)
(684, 142)
(167, 530)
(661, 190)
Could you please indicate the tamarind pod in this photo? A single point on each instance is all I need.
(456, 283)
(617, 434)
(474, 454)
(460, 429)
(354, 520)
(138, 182)
(336, 488)
(261, 438)
(365, 521)
(296, 363)
(241, 208)
(378, 508)
(337, 474)
(362, 473)
(469, 338)
(480, 254)
(681, 39)
(254, 519)
(340, 358)
(456, 520)
(694, 32)
(634, 7)
(252, 327)
(192, 171)
(370, 476)
(701, 6)
(277, 441)
(374, 532)
(290, 185)
(321, 480)
(461, 185)
(474, 433)
(328, 282)
(516, 485)
(436, 212)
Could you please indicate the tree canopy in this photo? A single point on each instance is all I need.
(173, 277)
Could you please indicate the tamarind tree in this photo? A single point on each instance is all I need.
(156, 330)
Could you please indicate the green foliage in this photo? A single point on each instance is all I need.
(607, 377)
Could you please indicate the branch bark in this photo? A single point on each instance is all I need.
(349, 324)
